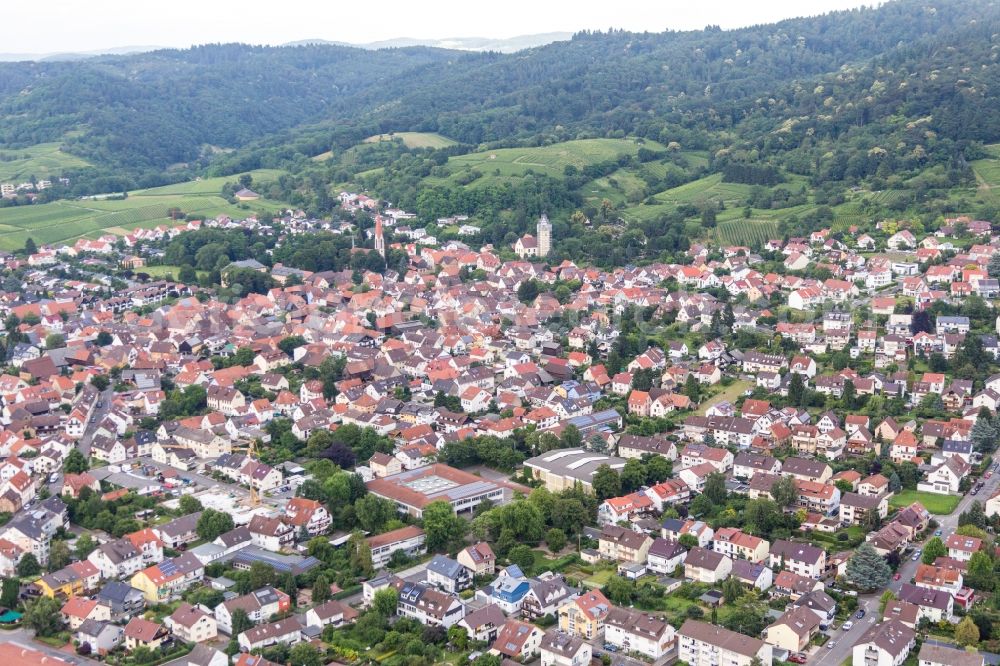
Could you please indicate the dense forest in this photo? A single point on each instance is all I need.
(900, 98)
(830, 74)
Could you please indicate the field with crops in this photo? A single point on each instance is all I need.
(552, 160)
(752, 233)
(415, 139)
(44, 161)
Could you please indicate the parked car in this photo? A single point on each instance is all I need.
(896, 576)
(831, 645)
(848, 626)
(861, 614)
(797, 658)
(937, 532)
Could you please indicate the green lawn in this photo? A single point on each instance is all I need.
(599, 578)
(44, 161)
(164, 271)
(940, 505)
(415, 139)
(729, 393)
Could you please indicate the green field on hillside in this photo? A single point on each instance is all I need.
(65, 221)
(44, 161)
(415, 139)
(210, 186)
(550, 160)
(746, 232)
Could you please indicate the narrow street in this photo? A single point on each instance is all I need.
(907, 569)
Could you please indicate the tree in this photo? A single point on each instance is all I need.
(967, 633)
(701, 506)
(189, 504)
(920, 322)
(187, 274)
(75, 463)
(619, 591)
(689, 541)
(100, 382)
(59, 555)
(796, 390)
(443, 528)
(321, 589)
(85, 545)
(212, 523)
(934, 549)
(104, 339)
(9, 592)
(980, 572)
(884, 600)
(555, 538)
(692, 388)
(633, 475)
(732, 589)
(261, 575)
(291, 343)
(290, 586)
(867, 570)
(457, 637)
(984, 432)
(850, 394)
(43, 616)
(570, 438)
(784, 492)
(304, 654)
(29, 246)
(606, 483)
(29, 567)
(384, 602)
(993, 267)
(527, 291)
(975, 516)
(715, 488)
(522, 556)
(360, 554)
(54, 341)
(240, 622)
(750, 619)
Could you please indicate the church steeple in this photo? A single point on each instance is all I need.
(379, 238)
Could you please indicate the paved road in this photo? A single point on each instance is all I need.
(870, 603)
(98, 415)
(25, 638)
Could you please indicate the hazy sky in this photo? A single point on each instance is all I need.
(79, 25)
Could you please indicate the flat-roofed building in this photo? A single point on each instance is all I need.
(414, 489)
(564, 468)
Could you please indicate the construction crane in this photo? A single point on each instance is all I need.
(250, 450)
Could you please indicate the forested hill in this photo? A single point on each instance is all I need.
(926, 60)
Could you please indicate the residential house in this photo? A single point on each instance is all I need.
(706, 566)
(884, 644)
(703, 644)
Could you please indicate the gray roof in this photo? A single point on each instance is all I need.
(578, 464)
(445, 566)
